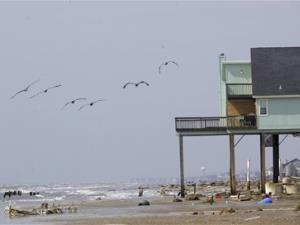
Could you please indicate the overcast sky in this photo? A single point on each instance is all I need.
(92, 49)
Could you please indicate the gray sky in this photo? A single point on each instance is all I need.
(93, 49)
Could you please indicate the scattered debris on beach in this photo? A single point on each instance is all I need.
(144, 203)
(177, 200)
(192, 197)
(241, 197)
(252, 218)
(227, 211)
(297, 208)
(220, 190)
(44, 209)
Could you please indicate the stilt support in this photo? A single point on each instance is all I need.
(182, 189)
(275, 158)
(248, 175)
(262, 164)
(232, 165)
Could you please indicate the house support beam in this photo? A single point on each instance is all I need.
(248, 175)
(182, 189)
(232, 164)
(262, 164)
(275, 158)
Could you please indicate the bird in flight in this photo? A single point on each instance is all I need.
(46, 90)
(25, 89)
(165, 64)
(91, 103)
(73, 102)
(136, 84)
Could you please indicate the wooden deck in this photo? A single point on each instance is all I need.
(214, 124)
(238, 125)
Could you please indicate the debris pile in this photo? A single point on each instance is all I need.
(44, 209)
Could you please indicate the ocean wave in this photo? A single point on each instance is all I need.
(73, 192)
(57, 198)
(82, 192)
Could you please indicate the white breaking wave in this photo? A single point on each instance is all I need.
(79, 192)
(86, 192)
(59, 198)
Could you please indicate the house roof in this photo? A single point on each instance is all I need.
(275, 71)
(294, 161)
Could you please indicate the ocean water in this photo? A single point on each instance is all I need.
(66, 193)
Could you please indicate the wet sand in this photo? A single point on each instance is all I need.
(165, 212)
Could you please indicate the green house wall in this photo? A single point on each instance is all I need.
(232, 72)
(238, 73)
(283, 113)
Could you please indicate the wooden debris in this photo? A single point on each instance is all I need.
(17, 212)
(177, 200)
(144, 203)
(240, 197)
(252, 218)
(297, 208)
(227, 211)
(192, 197)
(44, 209)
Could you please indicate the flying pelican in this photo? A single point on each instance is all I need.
(46, 90)
(73, 102)
(136, 84)
(91, 103)
(25, 89)
(165, 64)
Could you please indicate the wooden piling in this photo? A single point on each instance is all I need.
(275, 158)
(232, 165)
(262, 164)
(182, 189)
(248, 175)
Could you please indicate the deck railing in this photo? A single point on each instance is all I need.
(239, 90)
(201, 123)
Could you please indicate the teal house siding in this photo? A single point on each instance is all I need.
(271, 75)
(232, 72)
(239, 73)
(223, 98)
(283, 113)
(222, 87)
(276, 87)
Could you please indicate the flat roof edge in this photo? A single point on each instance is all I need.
(276, 96)
(236, 62)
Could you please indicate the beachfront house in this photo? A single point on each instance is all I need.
(257, 97)
(291, 168)
(265, 93)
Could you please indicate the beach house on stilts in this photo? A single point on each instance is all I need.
(257, 97)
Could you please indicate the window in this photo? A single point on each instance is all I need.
(263, 107)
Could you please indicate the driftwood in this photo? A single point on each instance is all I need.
(18, 212)
(42, 210)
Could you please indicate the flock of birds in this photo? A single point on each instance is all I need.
(26, 89)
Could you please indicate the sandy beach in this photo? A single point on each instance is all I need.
(164, 211)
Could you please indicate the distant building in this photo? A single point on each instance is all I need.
(291, 168)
